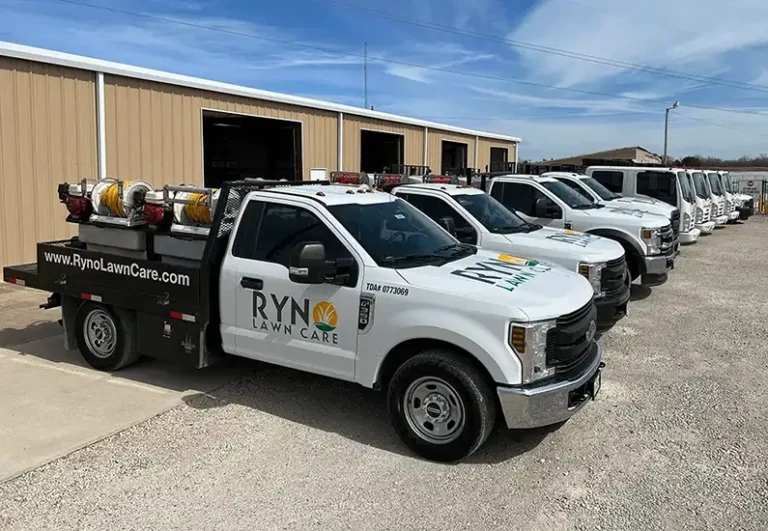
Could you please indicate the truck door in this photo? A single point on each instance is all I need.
(312, 327)
(523, 198)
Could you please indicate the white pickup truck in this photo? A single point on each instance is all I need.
(353, 284)
(476, 218)
(744, 203)
(648, 239)
(593, 190)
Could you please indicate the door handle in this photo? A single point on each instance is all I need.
(251, 283)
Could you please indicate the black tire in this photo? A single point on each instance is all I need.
(471, 389)
(106, 354)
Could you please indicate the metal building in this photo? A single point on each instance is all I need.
(65, 117)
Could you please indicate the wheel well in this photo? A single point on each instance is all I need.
(407, 349)
(631, 252)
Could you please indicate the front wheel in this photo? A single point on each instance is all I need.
(441, 405)
(106, 337)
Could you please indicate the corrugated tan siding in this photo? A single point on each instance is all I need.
(154, 130)
(484, 151)
(47, 136)
(414, 140)
(435, 148)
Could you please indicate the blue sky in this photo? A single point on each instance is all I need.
(697, 37)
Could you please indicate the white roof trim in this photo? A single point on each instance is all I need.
(41, 55)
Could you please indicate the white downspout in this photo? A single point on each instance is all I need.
(426, 136)
(517, 147)
(477, 142)
(101, 128)
(340, 140)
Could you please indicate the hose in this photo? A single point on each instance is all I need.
(111, 198)
(198, 211)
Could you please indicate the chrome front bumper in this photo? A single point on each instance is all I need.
(658, 265)
(692, 236)
(532, 407)
(707, 227)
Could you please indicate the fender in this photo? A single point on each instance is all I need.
(620, 236)
(469, 334)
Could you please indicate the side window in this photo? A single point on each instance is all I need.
(284, 226)
(613, 180)
(436, 208)
(659, 185)
(245, 239)
(576, 188)
(521, 197)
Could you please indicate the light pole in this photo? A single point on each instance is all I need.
(666, 128)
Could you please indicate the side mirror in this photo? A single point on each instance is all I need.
(448, 224)
(308, 264)
(545, 208)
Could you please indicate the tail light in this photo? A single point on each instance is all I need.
(153, 214)
(78, 206)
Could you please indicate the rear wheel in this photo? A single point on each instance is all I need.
(441, 405)
(106, 337)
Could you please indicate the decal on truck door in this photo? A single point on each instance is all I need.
(288, 316)
(505, 271)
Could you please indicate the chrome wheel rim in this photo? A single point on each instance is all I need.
(100, 333)
(434, 410)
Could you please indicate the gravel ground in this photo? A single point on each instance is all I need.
(675, 441)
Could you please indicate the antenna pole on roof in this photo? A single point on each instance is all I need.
(365, 72)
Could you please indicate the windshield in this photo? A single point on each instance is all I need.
(729, 183)
(600, 190)
(702, 190)
(568, 195)
(493, 215)
(685, 186)
(714, 182)
(398, 235)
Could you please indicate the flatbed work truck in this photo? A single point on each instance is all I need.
(353, 284)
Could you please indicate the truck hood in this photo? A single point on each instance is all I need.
(556, 245)
(528, 288)
(625, 217)
(638, 203)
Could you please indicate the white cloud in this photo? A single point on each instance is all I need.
(690, 35)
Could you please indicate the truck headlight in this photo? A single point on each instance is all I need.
(652, 239)
(529, 341)
(699, 215)
(686, 222)
(593, 273)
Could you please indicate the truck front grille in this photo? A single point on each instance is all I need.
(668, 237)
(614, 272)
(675, 219)
(567, 343)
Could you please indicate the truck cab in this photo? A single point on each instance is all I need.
(663, 184)
(344, 282)
(594, 190)
(702, 201)
(719, 208)
(648, 239)
(732, 204)
(478, 219)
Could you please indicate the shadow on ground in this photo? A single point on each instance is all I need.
(638, 292)
(347, 409)
(35, 331)
(44, 341)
